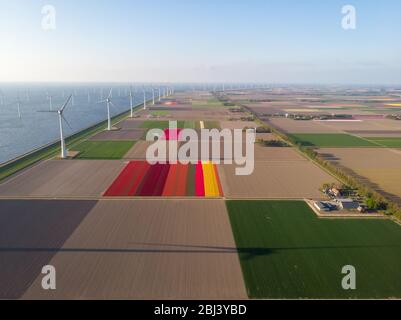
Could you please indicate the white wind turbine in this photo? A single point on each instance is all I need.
(19, 107)
(153, 96)
(131, 101)
(50, 98)
(61, 118)
(108, 104)
(1, 98)
(144, 99)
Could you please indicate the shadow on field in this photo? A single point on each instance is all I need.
(246, 253)
(33, 223)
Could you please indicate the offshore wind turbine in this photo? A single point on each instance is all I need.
(19, 107)
(50, 98)
(1, 98)
(61, 118)
(131, 101)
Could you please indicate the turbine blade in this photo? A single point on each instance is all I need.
(65, 120)
(66, 103)
(111, 92)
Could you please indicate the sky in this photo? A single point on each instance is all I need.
(271, 41)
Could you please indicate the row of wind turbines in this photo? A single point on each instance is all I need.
(108, 101)
(18, 103)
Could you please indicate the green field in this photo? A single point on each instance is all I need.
(387, 142)
(330, 140)
(103, 149)
(287, 252)
(162, 124)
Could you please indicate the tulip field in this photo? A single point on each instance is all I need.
(141, 179)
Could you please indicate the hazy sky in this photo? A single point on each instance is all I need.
(273, 41)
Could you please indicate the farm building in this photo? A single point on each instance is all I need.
(324, 206)
(347, 204)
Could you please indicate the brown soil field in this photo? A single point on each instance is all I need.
(119, 135)
(237, 124)
(377, 167)
(30, 234)
(293, 126)
(275, 180)
(368, 125)
(64, 179)
(138, 151)
(263, 153)
(148, 250)
(130, 124)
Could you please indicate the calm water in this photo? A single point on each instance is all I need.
(35, 129)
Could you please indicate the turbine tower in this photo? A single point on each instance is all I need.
(61, 118)
(131, 101)
(153, 96)
(144, 99)
(108, 103)
(1, 98)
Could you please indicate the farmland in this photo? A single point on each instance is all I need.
(331, 140)
(143, 249)
(103, 149)
(394, 142)
(118, 227)
(287, 252)
(377, 167)
(141, 179)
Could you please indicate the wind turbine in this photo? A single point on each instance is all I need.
(131, 101)
(50, 98)
(1, 98)
(61, 118)
(19, 104)
(144, 98)
(160, 96)
(108, 103)
(153, 96)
